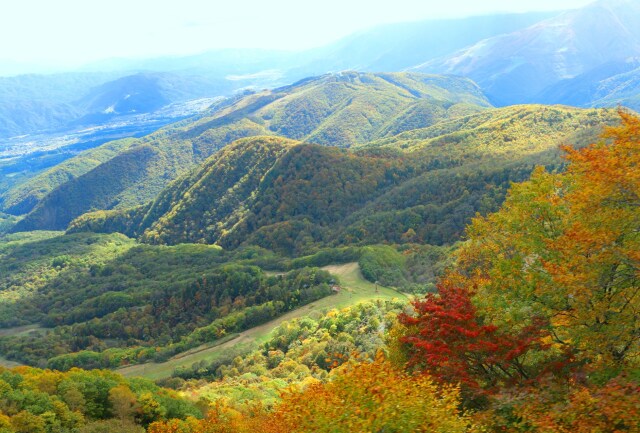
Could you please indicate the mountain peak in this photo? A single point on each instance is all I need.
(515, 67)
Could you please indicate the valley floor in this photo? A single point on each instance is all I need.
(354, 289)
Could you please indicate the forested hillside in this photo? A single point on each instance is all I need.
(533, 328)
(338, 110)
(420, 186)
(100, 297)
(109, 302)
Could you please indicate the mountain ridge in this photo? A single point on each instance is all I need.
(335, 109)
(427, 181)
(515, 67)
(385, 48)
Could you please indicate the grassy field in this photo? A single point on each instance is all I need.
(354, 289)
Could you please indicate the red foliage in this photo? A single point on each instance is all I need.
(448, 340)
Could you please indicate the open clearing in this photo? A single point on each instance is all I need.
(354, 289)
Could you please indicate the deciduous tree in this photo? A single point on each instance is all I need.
(567, 247)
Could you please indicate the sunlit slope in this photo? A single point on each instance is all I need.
(422, 186)
(336, 110)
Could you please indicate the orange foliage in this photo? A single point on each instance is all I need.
(567, 247)
(223, 418)
(361, 397)
(374, 397)
(568, 408)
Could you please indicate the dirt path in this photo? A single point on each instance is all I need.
(354, 289)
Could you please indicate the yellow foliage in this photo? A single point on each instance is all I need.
(371, 397)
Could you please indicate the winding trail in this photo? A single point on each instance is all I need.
(354, 289)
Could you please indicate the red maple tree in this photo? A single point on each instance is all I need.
(447, 339)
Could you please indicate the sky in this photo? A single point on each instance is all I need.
(73, 32)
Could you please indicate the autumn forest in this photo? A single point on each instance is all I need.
(431, 224)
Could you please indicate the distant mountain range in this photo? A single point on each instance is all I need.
(111, 88)
(584, 57)
(523, 66)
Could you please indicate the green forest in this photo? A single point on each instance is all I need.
(144, 303)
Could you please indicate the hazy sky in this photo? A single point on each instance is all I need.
(75, 31)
